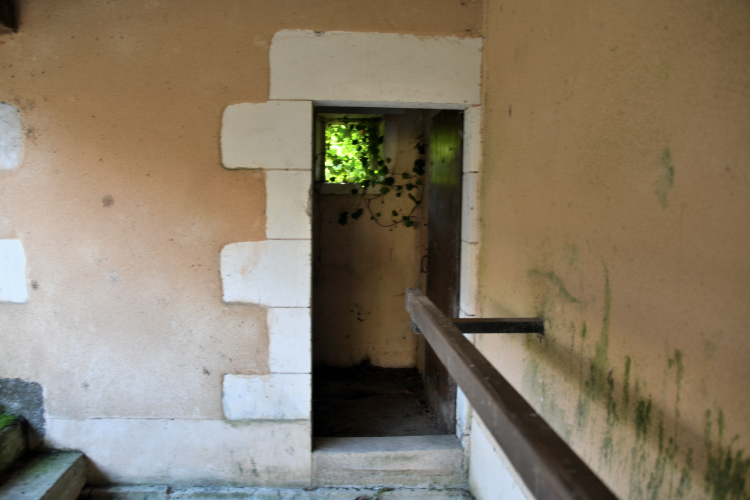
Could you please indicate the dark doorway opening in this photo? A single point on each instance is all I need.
(372, 376)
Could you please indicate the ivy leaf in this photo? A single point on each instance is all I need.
(357, 214)
(343, 218)
(419, 165)
(412, 198)
(406, 175)
(385, 190)
(389, 181)
(408, 223)
(394, 213)
(355, 191)
(409, 186)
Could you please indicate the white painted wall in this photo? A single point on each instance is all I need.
(188, 452)
(491, 477)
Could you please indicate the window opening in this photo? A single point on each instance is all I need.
(350, 148)
(354, 150)
(351, 157)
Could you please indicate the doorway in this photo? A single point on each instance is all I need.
(372, 376)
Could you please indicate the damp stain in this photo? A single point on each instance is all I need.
(107, 201)
(665, 178)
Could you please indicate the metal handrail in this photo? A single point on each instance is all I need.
(548, 466)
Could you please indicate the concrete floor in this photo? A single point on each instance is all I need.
(368, 401)
(224, 493)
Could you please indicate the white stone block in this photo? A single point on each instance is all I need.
(274, 273)
(468, 291)
(279, 396)
(376, 67)
(289, 340)
(188, 452)
(288, 204)
(270, 135)
(472, 160)
(470, 208)
(12, 272)
(11, 136)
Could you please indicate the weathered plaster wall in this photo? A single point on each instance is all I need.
(122, 205)
(362, 269)
(615, 202)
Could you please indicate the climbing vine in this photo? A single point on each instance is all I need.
(354, 154)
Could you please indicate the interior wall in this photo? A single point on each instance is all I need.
(615, 201)
(362, 269)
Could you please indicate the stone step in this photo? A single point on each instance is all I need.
(416, 461)
(56, 475)
(13, 443)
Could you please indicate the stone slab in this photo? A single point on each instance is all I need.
(12, 272)
(49, 476)
(388, 461)
(288, 206)
(469, 282)
(11, 136)
(289, 339)
(273, 273)
(470, 207)
(472, 150)
(376, 67)
(278, 396)
(268, 135)
(126, 493)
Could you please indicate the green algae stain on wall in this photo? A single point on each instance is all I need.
(626, 385)
(557, 282)
(535, 382)
(614, 420)
(665, 178)
(727, 469)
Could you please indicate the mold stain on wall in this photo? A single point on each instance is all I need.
(665, 178)
(615, 421)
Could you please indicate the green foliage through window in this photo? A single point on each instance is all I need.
(353, 151)
(354, 155)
